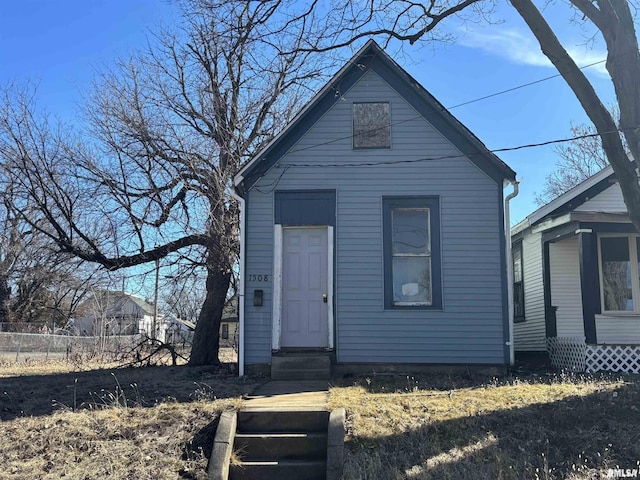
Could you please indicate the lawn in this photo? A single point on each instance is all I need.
(518, 427)
(60, 420)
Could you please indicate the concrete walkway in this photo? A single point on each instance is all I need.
(296, 394)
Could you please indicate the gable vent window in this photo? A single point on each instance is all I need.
(371, 125)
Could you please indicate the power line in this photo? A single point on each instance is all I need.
(445, 157)
(502, 92)
(522, 86)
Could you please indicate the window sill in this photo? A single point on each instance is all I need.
(619, 314)
(519, 320)
(435, 308)
(370, 148)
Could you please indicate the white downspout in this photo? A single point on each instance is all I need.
(509, 255)
(242, 205)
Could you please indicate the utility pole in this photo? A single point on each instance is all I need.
(155, 302)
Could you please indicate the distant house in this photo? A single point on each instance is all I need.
(181, 331)
(118, 313)
(374, 231)
(229, 324)
(577, 279)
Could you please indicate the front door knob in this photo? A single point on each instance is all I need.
(325, 297)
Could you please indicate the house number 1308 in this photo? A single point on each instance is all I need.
(258, 278)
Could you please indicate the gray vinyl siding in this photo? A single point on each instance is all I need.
(610, 200)
(530, 335)
(566, 293)
(469, 328)
(624, 330)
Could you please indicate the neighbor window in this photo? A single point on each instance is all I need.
(371, 125)
(412, 252)
(224, 331)
(518, 284)
(619, 272)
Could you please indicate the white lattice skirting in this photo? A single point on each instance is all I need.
(567, 353)
(613, 358)
(572, 354)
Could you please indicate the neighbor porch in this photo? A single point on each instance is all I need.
(592, 292)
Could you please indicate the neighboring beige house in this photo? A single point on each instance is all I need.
(118, 313)
(577, 279)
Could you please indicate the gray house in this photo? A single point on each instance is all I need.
(576, 279)
(373, 230)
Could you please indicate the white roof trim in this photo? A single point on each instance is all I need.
(519, 227)
(569, 195)
(239, 176)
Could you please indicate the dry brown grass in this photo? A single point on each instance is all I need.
(434, 427)
(60, 420)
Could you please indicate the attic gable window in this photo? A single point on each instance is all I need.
(371, 125)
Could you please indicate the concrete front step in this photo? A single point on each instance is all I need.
(280, 446)
(301, 367)
(285, 421)
(279, 470)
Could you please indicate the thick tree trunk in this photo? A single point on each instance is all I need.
(584, 91)
(623, 63)
(206, 339)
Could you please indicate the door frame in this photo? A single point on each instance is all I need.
(277, 284)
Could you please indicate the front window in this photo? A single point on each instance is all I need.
(371, 125)
(411, 252)
(619, 273)
(412, 261)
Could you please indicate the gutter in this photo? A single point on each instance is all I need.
(509, 254)
(242, 204)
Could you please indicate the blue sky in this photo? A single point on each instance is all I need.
(60, 44)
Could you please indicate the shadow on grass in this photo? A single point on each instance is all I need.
(576, 435)
(202, 441)
(36, 395)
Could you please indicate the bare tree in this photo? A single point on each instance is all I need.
(37, 283)
(614, 20)
(183, 296)
(413, 21)
(578, 160)
(169, 127)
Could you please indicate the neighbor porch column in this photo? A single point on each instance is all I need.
(589, 282)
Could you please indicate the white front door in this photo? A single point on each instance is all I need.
(305, 288)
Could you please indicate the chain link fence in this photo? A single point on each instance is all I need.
(42, 342)
(46, 346)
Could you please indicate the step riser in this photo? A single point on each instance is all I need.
(300, 374)
(308, 471)
(266, 447)
(282, 422)
(303, 367)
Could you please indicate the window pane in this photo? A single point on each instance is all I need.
(412, 280)
(518, 300)
(371, 125)
(616, 273)
(517, 264)
(410, 233)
